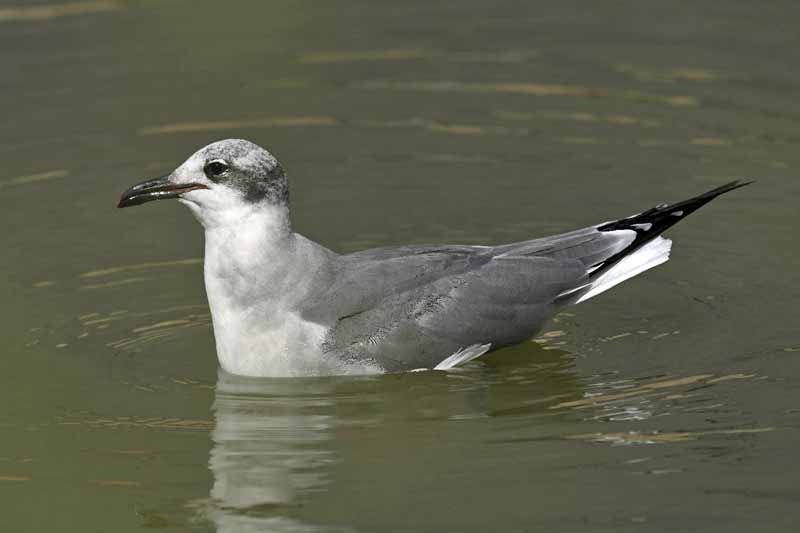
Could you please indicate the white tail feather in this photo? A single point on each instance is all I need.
(462, 356)
(651, 254)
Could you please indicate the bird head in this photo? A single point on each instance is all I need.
(219, 183)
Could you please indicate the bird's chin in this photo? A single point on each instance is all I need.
(202, 212)
(189, 202)
(194, 197)
(194, 206)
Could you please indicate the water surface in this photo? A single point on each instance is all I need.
(667, 404)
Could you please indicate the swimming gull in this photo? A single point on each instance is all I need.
(283, 305)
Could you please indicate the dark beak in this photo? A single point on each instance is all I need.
(157, 189)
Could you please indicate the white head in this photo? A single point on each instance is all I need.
(221, 183)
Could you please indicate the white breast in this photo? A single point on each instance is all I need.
(257, 342)
(258, 276)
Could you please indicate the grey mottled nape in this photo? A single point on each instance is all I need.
(257, 174)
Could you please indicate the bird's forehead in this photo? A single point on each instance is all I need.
(243, 152)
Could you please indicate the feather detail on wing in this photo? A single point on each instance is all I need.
(410, 306)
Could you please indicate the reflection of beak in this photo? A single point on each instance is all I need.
(157, 189)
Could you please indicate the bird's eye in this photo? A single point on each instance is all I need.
(216, 168)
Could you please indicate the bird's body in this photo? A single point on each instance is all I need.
(282, 304)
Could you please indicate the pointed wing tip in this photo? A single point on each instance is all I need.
(741, 183)
(730, 186)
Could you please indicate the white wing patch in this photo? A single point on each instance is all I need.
(462, 356)
(651, 254)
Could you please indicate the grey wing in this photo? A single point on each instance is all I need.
(413, 306)
(587, 245)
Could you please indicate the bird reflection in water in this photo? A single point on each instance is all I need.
(279, 443)
(333, 453)
(269, 451)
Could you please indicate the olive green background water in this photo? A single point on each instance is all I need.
(667, 404)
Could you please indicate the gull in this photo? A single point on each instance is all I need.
(284, 305)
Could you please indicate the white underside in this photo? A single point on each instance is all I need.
(648, 256)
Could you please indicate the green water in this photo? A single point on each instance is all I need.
(668, 404)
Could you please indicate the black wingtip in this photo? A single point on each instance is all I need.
(659, 215)
(722, 189)
(651, 223)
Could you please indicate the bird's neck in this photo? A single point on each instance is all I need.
(259, 276)
(258, 261)
(248, 253)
